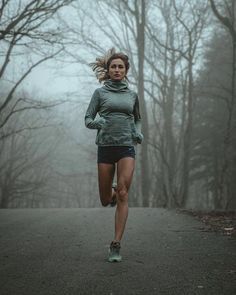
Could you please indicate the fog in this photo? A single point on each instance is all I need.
(183, 67)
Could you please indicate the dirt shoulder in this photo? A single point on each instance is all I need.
(217, 221)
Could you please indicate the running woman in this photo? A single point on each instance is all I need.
(114, 112)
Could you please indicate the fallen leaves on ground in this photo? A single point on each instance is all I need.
(219, 221)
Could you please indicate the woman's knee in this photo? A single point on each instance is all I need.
(122, 193)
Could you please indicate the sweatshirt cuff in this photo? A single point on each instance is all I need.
(95, 124)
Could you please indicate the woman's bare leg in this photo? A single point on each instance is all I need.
(125, 169)
(105, 178)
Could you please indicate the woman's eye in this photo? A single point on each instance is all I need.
(119, 66)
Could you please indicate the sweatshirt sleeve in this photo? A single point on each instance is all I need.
(137, 116)
(92, 111)
(137, 121)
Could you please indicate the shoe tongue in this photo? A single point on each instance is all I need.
(116, 244)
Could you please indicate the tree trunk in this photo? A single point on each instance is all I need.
(140, 21)
(168, 111)
(188, 133)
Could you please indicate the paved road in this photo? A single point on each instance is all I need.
(63, 251)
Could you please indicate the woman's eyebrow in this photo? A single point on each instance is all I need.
(117, 65)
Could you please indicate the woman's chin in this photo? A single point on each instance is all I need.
(116, 79)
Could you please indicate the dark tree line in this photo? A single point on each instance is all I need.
(214, 157)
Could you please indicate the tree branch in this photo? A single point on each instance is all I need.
(223, 19)
(10, 95)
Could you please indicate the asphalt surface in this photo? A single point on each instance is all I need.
(64, 251)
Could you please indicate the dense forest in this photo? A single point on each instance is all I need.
(183, 67)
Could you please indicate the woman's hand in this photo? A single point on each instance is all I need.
(138, 137)
(100, 122)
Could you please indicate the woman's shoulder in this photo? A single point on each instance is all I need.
(131, 89)
(97, 91)
(133, 93)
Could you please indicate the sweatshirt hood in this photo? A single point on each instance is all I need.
(116, 86)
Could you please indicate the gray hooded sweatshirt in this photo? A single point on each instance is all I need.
(119, 120)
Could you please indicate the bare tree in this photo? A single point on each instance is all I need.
(27, 34)
(177, 47)
(163, 63)
(192, 28)
(23, 160)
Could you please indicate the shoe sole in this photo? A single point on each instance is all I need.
(114, 258)
(110, 259)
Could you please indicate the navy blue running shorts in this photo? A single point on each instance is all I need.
(112, 154)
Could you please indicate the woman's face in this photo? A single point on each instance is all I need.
(117, 70)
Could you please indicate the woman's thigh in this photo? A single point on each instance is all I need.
(105, 178)
(125, 170)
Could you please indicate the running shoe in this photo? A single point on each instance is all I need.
(114, 252)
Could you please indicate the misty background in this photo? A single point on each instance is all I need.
(183, 67)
